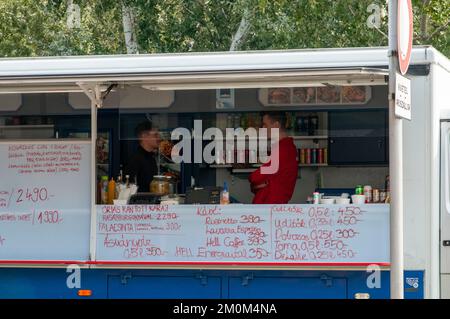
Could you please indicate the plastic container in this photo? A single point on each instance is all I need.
(320, 155)
(358, 199)
(308, 156)
(302, 156)
(327, 201)
(375, 195)
(342, 201)
(368, 193)
(313, 156)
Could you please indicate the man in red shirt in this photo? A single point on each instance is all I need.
(276, 187)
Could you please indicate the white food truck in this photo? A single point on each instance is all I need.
(51, 217)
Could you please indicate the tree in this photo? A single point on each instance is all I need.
(433, 23)
(40, 28)
(128, 21)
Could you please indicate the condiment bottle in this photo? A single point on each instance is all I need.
(111, 191)
(119, 182)
(224, 195)
(104, 190)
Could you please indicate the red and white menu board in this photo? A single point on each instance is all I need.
(266, 234)
(44, 200)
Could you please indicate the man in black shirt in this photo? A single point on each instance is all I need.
(142, 164)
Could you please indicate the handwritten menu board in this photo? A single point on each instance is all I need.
(44, 200)
(244, 233)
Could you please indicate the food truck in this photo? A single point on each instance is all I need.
(67, 130)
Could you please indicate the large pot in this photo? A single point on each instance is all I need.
(160, 185)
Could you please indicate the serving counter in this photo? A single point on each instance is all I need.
(244, 234)
(43, 222)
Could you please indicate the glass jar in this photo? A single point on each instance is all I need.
(159, 185)
(172, 184)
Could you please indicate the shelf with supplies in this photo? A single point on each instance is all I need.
(27, 126)
(253, 167)
(27, 131)
(309, 137)
(295, 137)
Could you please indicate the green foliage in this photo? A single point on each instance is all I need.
(432, 23)
(39, 28)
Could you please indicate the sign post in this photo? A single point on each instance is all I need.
(400, 45)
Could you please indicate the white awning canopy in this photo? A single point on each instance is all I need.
(257, 69)
(203, 80)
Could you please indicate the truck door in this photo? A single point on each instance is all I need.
(445, 210)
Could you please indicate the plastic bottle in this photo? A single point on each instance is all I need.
(237, 120)
(230, 121)
(104, 190)
(118, 183)
(111, 191)
(224, 195)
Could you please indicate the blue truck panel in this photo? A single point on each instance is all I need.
(184, 283)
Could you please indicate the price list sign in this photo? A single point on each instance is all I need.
(44, 200)
(266, 234)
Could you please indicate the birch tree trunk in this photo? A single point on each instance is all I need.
(73, 16)
(241, 32)
(128, 29)
(424, 22)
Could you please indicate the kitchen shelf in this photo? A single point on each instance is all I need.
(295, 137)
(27, 131)
(313, 165)
(250, 169)
(309, 137)
(26, 126)
(243, 170)
(172, 166)
(221, 166)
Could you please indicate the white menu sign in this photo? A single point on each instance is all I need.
(45, 200)
(285, 234)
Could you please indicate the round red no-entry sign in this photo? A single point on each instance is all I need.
(404, 33)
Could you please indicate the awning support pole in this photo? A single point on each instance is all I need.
(395, 165)
(95, 95)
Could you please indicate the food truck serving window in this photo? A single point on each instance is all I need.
(202, 210)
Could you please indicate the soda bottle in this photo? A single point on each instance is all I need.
(104, 190)
(359, 190)
(111, 191)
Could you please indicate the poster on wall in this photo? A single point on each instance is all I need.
(320, 95)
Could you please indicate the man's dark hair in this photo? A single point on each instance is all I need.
(143, 127)
(277, 117)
